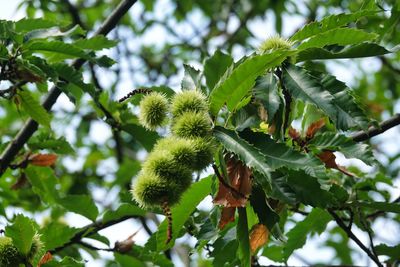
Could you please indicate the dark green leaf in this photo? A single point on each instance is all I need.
(381, 206)
(98, 42)
(316, 221)
(279, 155)
(80, 204)
(65, 262)
(246, 152)
(328, 23)
(266, 91)
(125, 209)
(392, 252)
(215, 67)
(34, 109)
(341, 36)
(55, 47)
(356, 51)
(243, 238)
(237, 81)
(43, 183)
(56, 234)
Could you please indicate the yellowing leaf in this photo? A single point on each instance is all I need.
(43, 160)
(259, 235)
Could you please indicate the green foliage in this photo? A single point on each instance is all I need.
(269, 116)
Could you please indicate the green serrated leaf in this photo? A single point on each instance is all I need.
(191, 78)
(355, 51)
(348, 112)
(306, 188)
(381, 206)
(279, 155)
(215, 67)
(34, 109)
(56, 234)
(43, 183)
(329, 23)
(98, 42)
(146, 138)
(247, 153)
(393, 252)
(343, 144)
(341, 36)
(74, 77)
(127, 260)
(124, 209)
(21, 232)
(266, 91)
(30, 24)
(238, 80)
(55, 47)
(307, 88)
(80, 204)
(316, 221)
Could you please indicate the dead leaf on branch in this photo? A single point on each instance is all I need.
(293, 133)
(259, 235)
(240, 185)
(43, 160)
(45, 259)
(227, 216)
(314, 128)
(125, 245)
(330, 162)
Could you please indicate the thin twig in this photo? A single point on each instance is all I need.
(31, 126)
(89, 230)
(351, 235)
(373, 131)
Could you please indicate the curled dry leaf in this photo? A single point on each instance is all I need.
(125, 245)
(45, 259)
(21, 182)
(227, 216)
(259, 235)
(239, 179)
(42, 160)
(314, 128)
(293, 133)
(330, 162)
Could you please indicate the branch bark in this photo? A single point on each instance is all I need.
(352, 236)
(89, 230)
(374, 131)
(31, 126)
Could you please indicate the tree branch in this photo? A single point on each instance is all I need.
(374, 131)
(351, 235)
(89, 230)
(31, 126)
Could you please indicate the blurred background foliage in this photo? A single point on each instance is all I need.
(155, 40)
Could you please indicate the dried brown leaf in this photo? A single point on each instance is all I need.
(330, 162)
(227, 216)
(240, 185)
(43, 160)
(314, 128)
(21, 182)
(45, 259)
(293, 133)
(259, 235)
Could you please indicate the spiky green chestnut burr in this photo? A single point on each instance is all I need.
(9, 255)
(191, 125)
(274, 43)
(204, 153)
(150, 191)
(181, 149)
(36, 247)
(167, 168)
(186, 101)
(153, 110)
